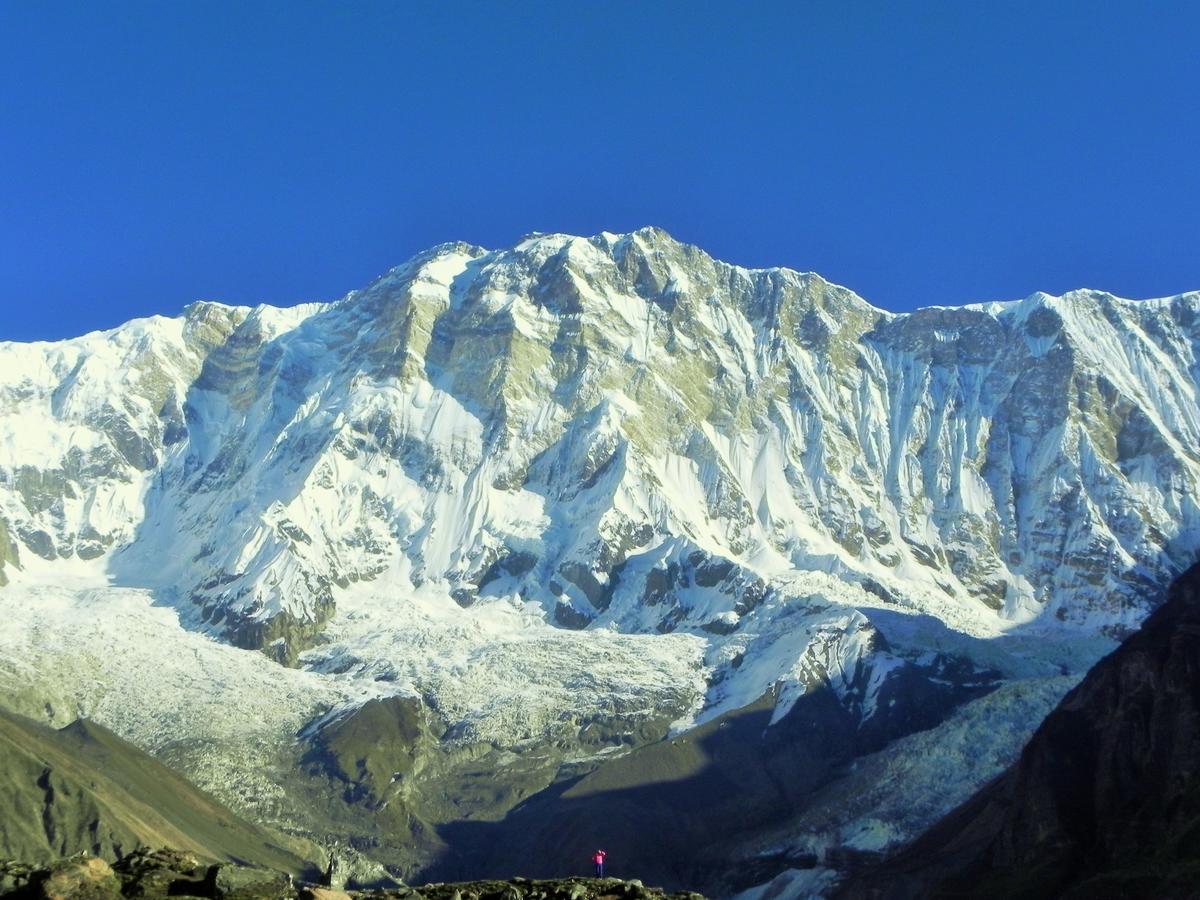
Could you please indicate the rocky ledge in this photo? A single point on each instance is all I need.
(159, 874)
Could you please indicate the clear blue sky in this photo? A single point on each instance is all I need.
(155, 153)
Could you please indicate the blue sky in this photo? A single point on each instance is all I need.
(155, 153)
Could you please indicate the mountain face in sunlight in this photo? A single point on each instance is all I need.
(533, 513)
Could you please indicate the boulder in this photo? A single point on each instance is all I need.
(323, 893)
(233, 882)
(81, 878)
(158, 874)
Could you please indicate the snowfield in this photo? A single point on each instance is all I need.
(499, 672)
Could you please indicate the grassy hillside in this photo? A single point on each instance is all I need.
(82, 788)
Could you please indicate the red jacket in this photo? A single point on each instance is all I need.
(598, 859)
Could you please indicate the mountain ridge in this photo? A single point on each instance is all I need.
(979, 305)
(559, 269)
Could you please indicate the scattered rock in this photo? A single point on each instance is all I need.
(158, 874)
(161, 874)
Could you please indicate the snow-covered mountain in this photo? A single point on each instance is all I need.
(611, 479)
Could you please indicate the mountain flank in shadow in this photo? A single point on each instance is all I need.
(1104, 800)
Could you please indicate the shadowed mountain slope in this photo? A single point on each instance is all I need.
(1105, 800)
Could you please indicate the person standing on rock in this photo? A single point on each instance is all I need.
(598, 859)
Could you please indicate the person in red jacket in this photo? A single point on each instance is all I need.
(598, 859)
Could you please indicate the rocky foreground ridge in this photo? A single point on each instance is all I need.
(159, 874)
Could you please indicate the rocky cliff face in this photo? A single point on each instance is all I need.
(614, 428)
(1105, 799)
